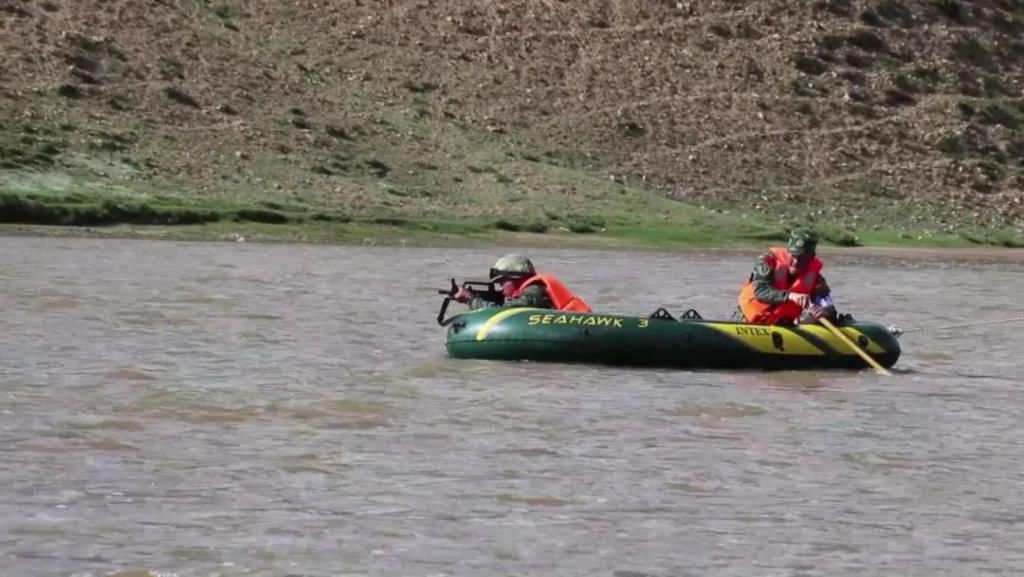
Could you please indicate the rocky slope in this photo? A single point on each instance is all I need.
(888, 109)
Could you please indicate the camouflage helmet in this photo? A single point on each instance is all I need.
(802, 241)
(512, 265)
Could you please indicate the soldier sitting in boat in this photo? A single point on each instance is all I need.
(522, 286)
(787, 287)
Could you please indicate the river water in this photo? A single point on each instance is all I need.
(197, 409)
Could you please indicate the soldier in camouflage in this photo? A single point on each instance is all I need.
(510, 271)
(522, 286)
(765, 286)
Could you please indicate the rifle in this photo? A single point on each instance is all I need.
(486, 290)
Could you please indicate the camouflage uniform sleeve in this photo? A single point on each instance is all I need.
(762, 277)
(821, 288)
(535, 296)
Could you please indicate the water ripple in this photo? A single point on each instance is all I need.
(194, 410)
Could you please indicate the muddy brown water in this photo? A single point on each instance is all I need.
(204, 409)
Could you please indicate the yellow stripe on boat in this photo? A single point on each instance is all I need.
(493, 321)
(841, 347)
(768, 339)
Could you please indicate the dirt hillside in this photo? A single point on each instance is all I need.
(907, 108)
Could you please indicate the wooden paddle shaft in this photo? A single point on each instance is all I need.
(872, 362)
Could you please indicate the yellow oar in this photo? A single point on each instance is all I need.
(878, 368)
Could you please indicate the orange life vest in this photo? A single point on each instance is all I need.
(561, 297)
(760, 313)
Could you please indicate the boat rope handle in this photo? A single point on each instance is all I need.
(896, 330)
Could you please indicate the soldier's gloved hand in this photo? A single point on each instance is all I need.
(462, 295)
(800, 299)
(815, 312)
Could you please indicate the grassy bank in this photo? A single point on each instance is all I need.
(667, 225)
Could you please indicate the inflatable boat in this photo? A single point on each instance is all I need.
(661, 340)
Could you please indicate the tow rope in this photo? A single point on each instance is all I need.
(897, 330)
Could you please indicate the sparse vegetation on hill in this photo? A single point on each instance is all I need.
(524, 116)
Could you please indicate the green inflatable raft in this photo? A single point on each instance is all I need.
(660, 340)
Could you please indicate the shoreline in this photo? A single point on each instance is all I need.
(388, 236)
